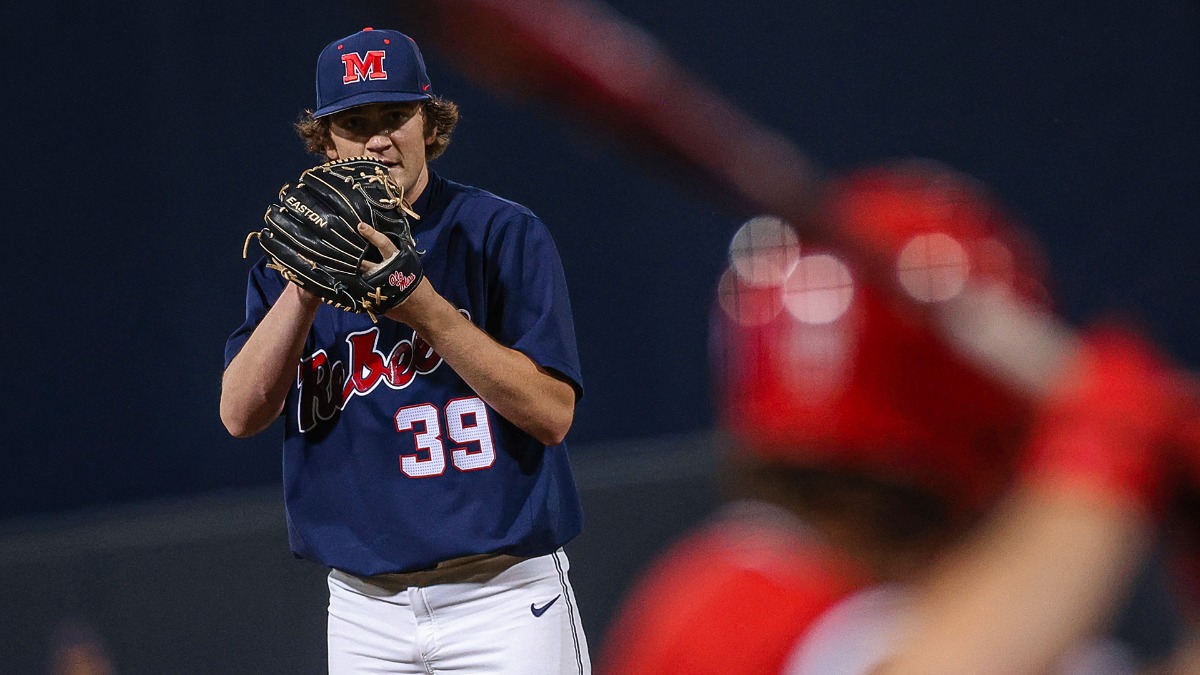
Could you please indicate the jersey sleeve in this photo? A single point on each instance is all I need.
(529, 307)
(263, 288)
(855, 636)
(722, 601)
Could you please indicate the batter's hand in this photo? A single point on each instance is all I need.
(1109, 424)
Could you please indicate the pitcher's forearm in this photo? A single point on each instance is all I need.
(256, 383)
(511, 383)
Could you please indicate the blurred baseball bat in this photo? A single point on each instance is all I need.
(601, 70)
(592, 65)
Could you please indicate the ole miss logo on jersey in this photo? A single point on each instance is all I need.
(361, 67)
(327, 386)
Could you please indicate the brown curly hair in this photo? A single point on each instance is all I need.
(440, 114)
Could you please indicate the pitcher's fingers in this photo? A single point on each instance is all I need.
(387, 248)
(377, 239)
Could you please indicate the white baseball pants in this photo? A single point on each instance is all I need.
(482, 614)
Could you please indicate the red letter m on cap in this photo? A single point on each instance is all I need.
(359, 68)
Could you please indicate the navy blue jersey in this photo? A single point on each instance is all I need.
(391, 462)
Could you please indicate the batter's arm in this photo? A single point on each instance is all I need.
(1047, 574)
(1053, 563)
(533, 398)
(256, 383)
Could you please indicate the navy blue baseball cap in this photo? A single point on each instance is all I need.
(370, 66)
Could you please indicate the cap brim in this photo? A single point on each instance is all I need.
(368, 97)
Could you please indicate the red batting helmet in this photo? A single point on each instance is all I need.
(817, 365)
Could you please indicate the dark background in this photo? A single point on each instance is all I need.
(145, 139)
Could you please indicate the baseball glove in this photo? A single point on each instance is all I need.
(311, 236)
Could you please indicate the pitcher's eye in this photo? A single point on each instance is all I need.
(397, 117)
(351, 123)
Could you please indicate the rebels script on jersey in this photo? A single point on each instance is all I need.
(391, 462)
